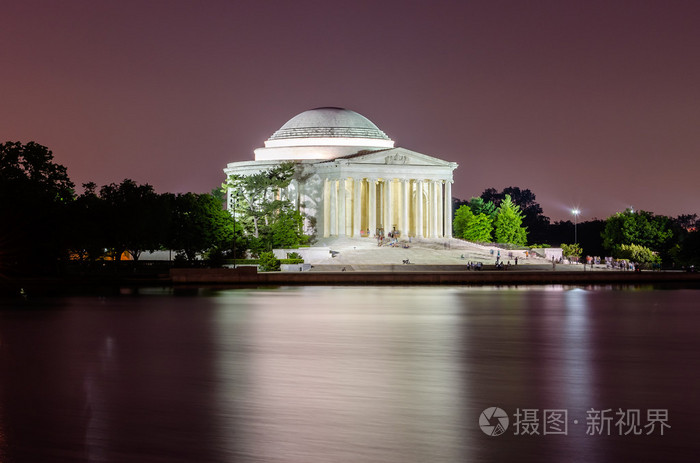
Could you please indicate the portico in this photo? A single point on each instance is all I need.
(362, 197)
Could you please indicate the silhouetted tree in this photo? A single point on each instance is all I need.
(588, 235)
(134, 220)
(34, 194)
(688, 251)
(688, 222)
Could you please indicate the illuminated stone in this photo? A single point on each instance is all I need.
(353, 181)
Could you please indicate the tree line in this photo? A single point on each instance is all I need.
(513, 216)
(44, 224)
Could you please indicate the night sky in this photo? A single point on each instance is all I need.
(594, 104)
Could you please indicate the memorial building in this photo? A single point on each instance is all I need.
(351, 181)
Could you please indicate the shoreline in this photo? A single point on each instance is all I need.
(247, 277)
(487, 277)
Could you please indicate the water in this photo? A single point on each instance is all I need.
(347, 374)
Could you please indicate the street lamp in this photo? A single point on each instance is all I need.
(234, 196)
(576, 212)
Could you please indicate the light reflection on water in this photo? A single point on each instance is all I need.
(344, 374)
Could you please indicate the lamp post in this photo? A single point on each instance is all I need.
(576, 212)
(234, 195)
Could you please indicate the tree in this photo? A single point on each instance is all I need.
(638, 254)
(638, 227)
(479, 229)
(688, 222)
(135, 218)
(257, 194)
(30, 171)
(286, 229)
(571, 251)
(472, 227)
(533, 218)
(269, 263)
(688, 252)
(199, 224)
(461, 220)
(268, 218)
(479, 206)
(589, 235)
(508, 224)
(34, 194)
(87, 214)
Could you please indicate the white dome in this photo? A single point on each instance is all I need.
(323, 133)
(329, 123)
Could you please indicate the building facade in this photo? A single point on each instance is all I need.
(350, 180)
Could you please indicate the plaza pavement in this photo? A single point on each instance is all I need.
(440, 254)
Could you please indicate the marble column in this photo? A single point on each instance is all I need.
(356, 206)
(406, 186)
(334, 208)
(439, 203)
(389, 207)
(448, 209)
(434, 204)
(419, 208)
(372, 209)
(341, 207)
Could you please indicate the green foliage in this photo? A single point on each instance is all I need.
(640, 227)
(295, 256)
(286, 229)
(539, 246)
(268, 262)
(636, 253)
(479, 229)
(199, 223)
(571, 251)
(508, 224)
(479, 206)
(220, 195)
(461, 220)
(472, 227)
(215, 257)
(269, 220)
(533, 219)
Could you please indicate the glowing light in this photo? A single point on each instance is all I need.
(335, 141)
(576, 213)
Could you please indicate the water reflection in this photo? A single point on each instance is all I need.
(346, 378)
(343, 374)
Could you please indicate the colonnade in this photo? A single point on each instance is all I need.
(364, 206)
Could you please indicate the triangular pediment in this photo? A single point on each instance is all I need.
(394, 156)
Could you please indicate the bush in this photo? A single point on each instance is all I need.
(215, 257)
(295, 256)
(639, 254)
(268, 262)
(571, 251)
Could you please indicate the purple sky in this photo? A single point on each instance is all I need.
(594, 104)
